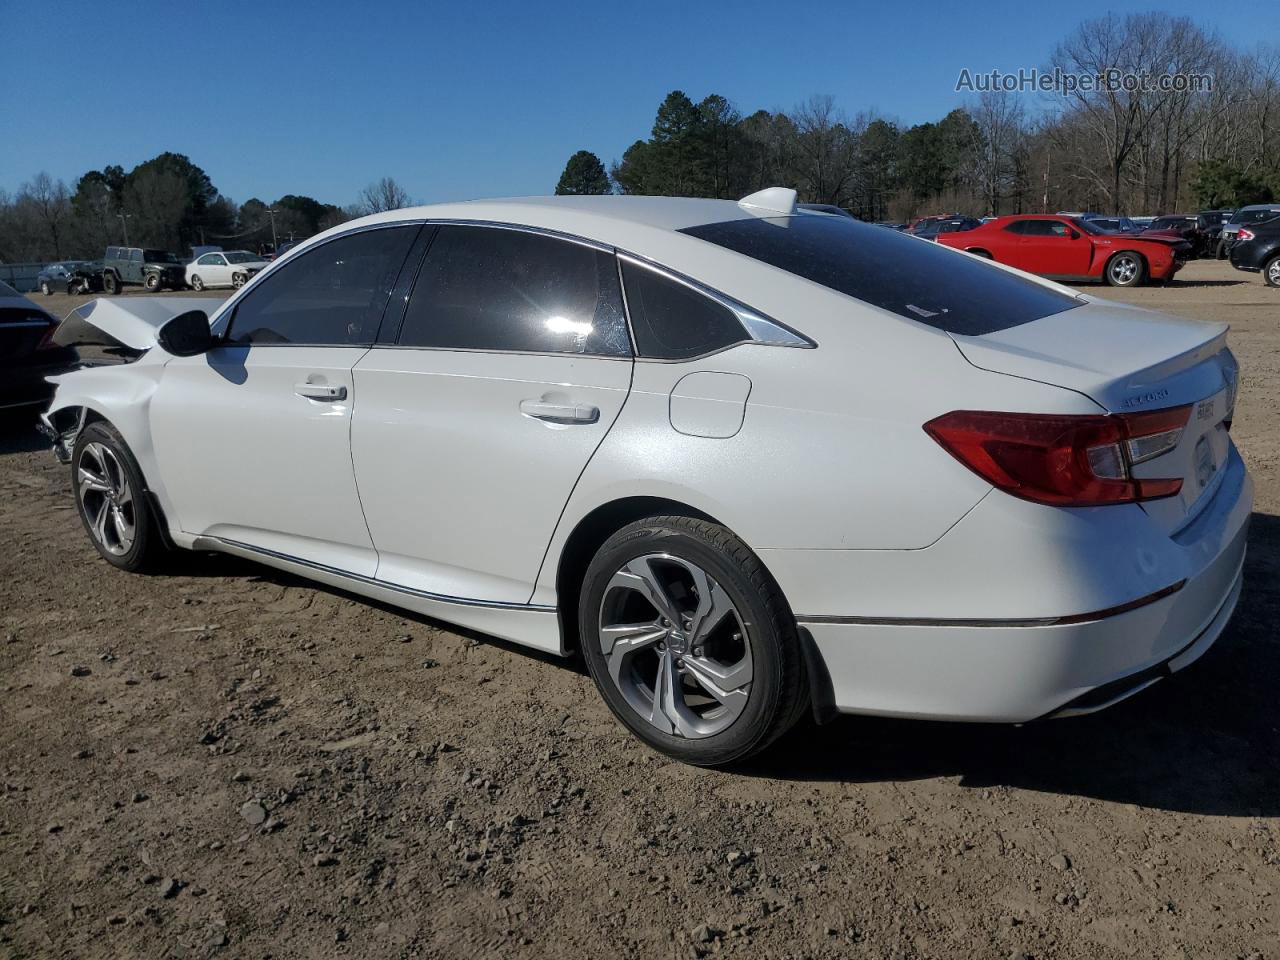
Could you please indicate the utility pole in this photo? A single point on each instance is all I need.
(275, 245)
(125, 226)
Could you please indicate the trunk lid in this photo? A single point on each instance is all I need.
(1127, 359)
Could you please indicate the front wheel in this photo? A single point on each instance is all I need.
(112, 500)
(1125, 270)
(690, 641)
(110, 284)
(196, 283)
(237, 280)
(152, 282)
(1271, 272)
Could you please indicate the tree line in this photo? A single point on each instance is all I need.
(167, 203)
(1120, 151)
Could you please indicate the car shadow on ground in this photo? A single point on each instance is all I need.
(1203, 741)
(1210, 283)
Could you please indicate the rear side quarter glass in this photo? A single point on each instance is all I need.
(673, 321)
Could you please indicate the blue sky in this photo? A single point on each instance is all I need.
(457, 100)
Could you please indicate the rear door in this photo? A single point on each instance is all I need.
(474, 424)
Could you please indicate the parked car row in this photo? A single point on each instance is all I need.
(154, 270)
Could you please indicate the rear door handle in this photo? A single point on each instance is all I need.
(320, 391)
(560, 412)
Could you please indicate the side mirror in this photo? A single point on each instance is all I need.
(187, 334)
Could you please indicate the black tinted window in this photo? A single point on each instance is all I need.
(486, 288)
(1018, 226)
(919, 281)
(332, 294)
(672, 321)
(1044, 228)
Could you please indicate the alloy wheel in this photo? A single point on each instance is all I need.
(1124, 270)
(107, 499)
(1273, 272)
(676, 646)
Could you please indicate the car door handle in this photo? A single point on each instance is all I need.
(320, 391)
(560, 412)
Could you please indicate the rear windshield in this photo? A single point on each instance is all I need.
(913, 278)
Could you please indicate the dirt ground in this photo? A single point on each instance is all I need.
(225, 761)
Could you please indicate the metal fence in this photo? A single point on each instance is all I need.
(22, 276)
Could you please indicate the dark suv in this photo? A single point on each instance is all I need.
(153, 269)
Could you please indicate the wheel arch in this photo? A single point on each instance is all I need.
(600, 523)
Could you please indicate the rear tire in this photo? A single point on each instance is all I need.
(196, 283)
(718, 678)
(1125, 269)
(112, 500)
(983, 254)
(1271, 272)
(44, 288)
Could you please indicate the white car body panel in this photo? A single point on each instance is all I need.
(236, 413)
(443, 432)
(926, 591)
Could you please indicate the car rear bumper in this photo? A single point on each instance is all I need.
(1016, 669)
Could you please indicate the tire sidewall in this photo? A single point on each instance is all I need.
(196, 283)
(753, 727)
(1267, 269)
(144, 524)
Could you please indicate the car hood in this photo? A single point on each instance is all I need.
(1164, 236)
(132, 323)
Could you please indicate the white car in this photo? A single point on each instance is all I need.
(229, 268)
(751, 461)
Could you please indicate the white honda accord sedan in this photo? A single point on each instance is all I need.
(751, 461)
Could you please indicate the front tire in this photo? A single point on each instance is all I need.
(1125, 269)
(690, 641)
(1271, 272)
(111, 497)
(110, 284)
(152, 283)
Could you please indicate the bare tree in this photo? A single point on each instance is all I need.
(383, 195)
(50, 201)
(826, 149)
(998, 119)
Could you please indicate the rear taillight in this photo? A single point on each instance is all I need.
(1244, 235)
(1067, 461)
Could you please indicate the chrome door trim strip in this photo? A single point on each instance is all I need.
(1014, 622)
(204, 541)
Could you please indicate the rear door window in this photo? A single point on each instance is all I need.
(490, 288)
(920, 281)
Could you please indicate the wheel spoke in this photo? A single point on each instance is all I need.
(713, 606)
(124, 529)
(620, 641)
(91, 481)
(725, 683)
(124, 496)
(639, 575)
(100, 521)
(669, 713)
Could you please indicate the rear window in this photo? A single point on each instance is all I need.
(896, 272)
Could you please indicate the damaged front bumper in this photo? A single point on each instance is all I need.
(63, 439)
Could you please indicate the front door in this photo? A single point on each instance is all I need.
(470, 432)
(1051, 248)
(253, 438)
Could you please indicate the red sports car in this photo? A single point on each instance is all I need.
(1065, 248)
